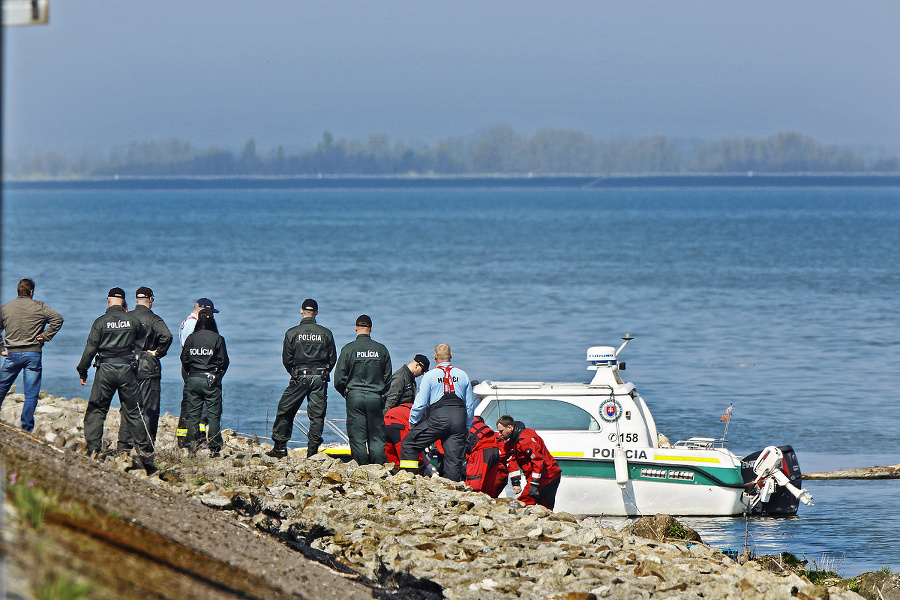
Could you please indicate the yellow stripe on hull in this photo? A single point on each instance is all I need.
(704, 459)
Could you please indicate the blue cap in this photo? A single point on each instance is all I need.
(206, 303)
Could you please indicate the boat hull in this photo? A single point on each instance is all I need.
(593, 496)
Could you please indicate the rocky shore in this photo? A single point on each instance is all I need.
(430, 538)
(886, 472)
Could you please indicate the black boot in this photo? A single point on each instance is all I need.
(146, 462)
(277, 452)
(311, 450)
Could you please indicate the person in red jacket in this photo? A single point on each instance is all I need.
(485, 472)
(396, 426)
(526, 454)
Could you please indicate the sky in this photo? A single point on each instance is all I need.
(106, 72)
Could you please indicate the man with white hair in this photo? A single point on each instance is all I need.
(443, 410)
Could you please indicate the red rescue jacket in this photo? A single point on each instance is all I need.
(485, 472)
(396, 426)
(526, 454)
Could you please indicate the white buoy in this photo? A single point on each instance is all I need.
(621, 463)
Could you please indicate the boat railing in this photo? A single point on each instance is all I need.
(513, 385)
(700, 443)
(331, 424)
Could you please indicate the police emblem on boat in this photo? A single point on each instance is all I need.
(610, 410)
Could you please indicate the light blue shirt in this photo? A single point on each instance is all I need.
(432, 388)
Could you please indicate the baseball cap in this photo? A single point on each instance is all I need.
(363, 321)
(143, 292)
(423, 361)
(116, 292)
(309, 304)
(206, 303)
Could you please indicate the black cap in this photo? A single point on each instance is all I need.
(206, 303)
(116, 292)
(309, 304)
(143, 292)
(423, 361)
(363, 321)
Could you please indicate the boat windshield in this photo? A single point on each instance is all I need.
(543, 413)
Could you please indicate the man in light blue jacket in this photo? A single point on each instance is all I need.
(443, 410)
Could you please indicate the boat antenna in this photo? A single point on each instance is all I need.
(727, 418)
(627, 339)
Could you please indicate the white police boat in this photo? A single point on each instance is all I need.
(604, 439)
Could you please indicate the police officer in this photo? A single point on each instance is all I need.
(184, 330)
(205, 359)
(150, 347)
(308, 354)
(112, 339)
(403, 383)
(443, 410)
(362, 377)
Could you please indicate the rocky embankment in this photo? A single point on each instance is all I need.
(887, 472)
(435, 535)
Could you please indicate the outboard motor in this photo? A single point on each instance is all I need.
(773, 478)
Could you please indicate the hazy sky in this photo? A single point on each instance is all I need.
(107, 72)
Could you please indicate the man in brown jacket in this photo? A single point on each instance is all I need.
(28, 325)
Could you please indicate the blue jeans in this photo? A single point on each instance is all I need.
(30, 362)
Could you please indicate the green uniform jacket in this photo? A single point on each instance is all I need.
(402, 389)
(156, 337)
(364, 366)
(113, 335)
(308, 345)
(204, 352)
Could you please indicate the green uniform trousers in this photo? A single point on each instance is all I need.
(365, 428)
(149, 405)
(312, 388)
(108, 379)
(199, 394)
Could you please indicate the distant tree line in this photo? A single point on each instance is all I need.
(498, 150)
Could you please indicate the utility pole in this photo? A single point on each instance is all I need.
(15, 12)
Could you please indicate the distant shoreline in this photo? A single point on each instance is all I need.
(330, 182)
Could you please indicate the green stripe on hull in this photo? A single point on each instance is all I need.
(605, 469)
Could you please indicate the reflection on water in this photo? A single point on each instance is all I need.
(854, 526)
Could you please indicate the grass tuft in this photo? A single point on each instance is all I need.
(31, 502)
(58, 587)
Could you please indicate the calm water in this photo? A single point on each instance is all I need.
(783, 302)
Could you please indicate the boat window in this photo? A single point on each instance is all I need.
(541, 414)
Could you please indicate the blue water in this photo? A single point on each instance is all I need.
(781, 301)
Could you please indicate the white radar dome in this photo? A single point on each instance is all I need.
(601, 355)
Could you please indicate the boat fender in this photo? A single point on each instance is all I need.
(621, 463)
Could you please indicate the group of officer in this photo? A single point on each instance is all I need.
(442, 409)
(126, 348)
(387, 419)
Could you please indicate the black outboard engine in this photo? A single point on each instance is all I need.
(773, 481)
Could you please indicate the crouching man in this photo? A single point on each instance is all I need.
(526, 454)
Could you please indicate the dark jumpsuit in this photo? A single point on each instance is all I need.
(112, 339)
(362, 377)
(308, 354)
(156, 338)
(205, 360)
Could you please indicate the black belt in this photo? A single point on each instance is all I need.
(114, 361)
(306, 371)
(200, 373)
